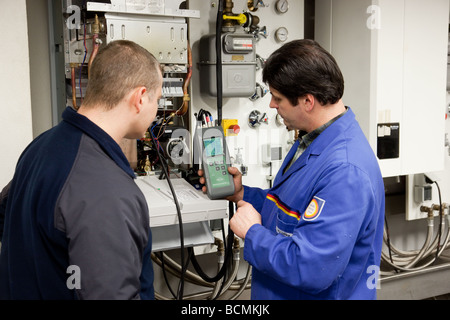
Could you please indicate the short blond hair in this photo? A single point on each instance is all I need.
(118, 68)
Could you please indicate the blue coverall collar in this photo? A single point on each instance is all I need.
(316, 147)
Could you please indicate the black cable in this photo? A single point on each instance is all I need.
(183, 272)
(222, 270)
(429, 180)
(229, 262)
(222, 225)
(160, 255)
(180, 223)
(219, 24)
(228, 244)
(219, 82)
(228, 254)
(202, 112)
(230, 239)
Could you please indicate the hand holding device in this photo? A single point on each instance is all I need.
(238, 187)
(215, 162)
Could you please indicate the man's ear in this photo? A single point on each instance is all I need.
(309, 101)
(137, 98)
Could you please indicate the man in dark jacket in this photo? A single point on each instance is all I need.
(74, 225)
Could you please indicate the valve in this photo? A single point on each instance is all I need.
(255, 119)
(260, 32)
(253, 5)
(241, 18)
(260, 92)
(246, 19)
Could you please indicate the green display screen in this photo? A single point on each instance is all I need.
(213, 146)
(217, 167)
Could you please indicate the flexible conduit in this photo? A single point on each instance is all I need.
(430, 251)
(216, 290)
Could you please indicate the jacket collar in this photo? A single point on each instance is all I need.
(316, 148)
(109, 146)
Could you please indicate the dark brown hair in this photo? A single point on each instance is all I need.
(303, 67)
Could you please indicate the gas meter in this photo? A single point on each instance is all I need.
(238, 65)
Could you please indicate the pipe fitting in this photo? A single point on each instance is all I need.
(236, 243)
(439, 208)
(96, 26)
(236, 249)
(428, 210)
(220, 246)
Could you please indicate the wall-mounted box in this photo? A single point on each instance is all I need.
(238, 65)
(393, 55)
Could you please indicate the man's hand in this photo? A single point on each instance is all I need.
(245, 217)
(237, 179)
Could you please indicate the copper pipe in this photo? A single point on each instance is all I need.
(74, 86)
(185, 107)
(93, 54)
(95, 44)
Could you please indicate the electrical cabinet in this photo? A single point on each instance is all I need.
(393, 55)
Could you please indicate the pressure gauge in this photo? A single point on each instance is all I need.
(282, 6)
(281, 34)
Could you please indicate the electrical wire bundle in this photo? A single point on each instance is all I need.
(431, 250)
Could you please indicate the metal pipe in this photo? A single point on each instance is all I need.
(74, 85)
(185, 107)
(95, 42)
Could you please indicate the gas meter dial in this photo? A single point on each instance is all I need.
(282, 6)
(281, 34)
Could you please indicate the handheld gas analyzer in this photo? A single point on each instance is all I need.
(214, 159)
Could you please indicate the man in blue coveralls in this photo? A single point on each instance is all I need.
(317, 233)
